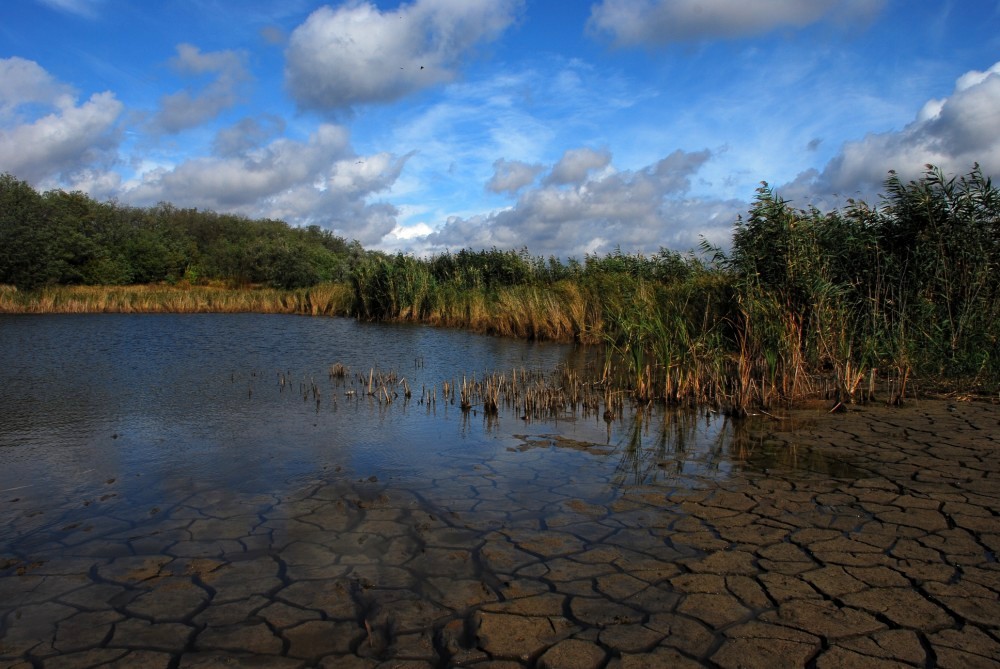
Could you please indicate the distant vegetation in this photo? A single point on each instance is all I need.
(841, 302)
(59, 238)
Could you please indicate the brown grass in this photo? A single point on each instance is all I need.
(327, 299)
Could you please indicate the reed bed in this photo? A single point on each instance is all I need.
(323, 300)
(535, 396)
(529, 394)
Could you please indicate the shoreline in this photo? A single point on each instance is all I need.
(507, 314)
(500, 315)
(327, 299)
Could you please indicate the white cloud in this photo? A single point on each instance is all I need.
(510, 176)
(639, 210)
(952, 133)
(975, 77)
(320, 181)
(527, 114)
(247, 134)
(576, 164)
(99, 184)
(45, 136)
(24, 82)
(406, 233)
(243, 180)
(188, 108)
(659, 22)
(357, 54)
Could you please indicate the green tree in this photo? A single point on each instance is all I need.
(24, 260)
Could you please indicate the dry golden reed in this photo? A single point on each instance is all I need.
(322, 300)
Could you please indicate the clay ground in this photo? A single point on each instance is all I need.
(886, 556)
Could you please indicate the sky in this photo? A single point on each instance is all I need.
(564, 127)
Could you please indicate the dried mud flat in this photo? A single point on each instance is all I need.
(511, 563)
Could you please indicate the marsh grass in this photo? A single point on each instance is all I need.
(327, 299)
(849, 306)
(553, 312)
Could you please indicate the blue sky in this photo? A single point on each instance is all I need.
(564, 127)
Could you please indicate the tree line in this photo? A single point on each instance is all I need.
(910, 283)
(60, 238)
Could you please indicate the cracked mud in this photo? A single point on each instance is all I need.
(862, 539)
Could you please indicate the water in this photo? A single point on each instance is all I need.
(167, 403)
(162, 491)
(166, 395)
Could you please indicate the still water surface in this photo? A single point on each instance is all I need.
(162, 401)
(166, 501)
(192, 490)
(167, 406)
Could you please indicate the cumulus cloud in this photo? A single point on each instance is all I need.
(189, 108)
(357, 54)
(639, 210)
(45, 136)
(318, 181)
(249, 133)
(576, 164)
(659, 22)
(100, 184)
(510, 176)
(24, 82)
(952, 133)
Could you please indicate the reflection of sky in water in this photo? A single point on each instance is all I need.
(168, 397)
(168, 403)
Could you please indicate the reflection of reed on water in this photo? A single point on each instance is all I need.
(665, 444)
(653, 442)
(766, 444)
(676, 446)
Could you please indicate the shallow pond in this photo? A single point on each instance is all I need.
(198, 490)
(246, 402)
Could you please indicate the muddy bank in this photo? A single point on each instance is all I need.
(860, 539)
